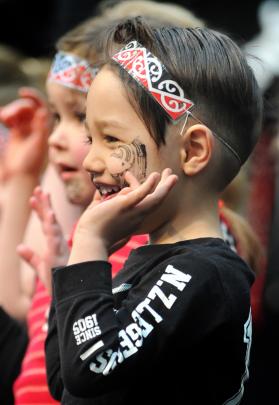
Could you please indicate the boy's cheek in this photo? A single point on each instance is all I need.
(132, 157)
(117, 166)
(118, 170)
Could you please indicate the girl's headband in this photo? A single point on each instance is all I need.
(150, 73)
(71, 71)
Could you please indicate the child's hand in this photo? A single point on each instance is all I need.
(105, 223)
(56, 251)
(28, 121)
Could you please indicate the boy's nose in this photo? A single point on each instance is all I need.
(92, 162)
(58, 138)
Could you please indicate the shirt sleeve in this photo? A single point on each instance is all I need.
(99, 346)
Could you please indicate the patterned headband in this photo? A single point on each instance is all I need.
(153, 76)
(72, 71)
(150, 73)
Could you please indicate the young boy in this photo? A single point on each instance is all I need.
(171, 118)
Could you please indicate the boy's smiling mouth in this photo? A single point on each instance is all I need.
(107, 191)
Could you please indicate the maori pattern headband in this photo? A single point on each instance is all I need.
(153, 76)
(150, 73)
(72, 71)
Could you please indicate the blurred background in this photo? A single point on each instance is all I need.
(29, 30)
(33, 26)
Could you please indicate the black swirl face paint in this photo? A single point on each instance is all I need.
(132, 157)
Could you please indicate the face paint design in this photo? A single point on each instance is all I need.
(131, 157)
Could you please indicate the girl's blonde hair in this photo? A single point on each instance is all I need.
(88, 38)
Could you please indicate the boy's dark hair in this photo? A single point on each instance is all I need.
(213, 73)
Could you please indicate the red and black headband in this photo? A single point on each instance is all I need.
(150, 73)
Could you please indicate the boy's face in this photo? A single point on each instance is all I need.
(67, 142)
(119, 139)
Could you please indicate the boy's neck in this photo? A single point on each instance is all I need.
(199, 223)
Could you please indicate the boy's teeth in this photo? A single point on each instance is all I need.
(108, 190)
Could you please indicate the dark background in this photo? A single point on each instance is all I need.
(32, 27)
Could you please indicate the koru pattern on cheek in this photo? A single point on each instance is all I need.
(134, 158)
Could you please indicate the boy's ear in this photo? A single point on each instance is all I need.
(196, 149)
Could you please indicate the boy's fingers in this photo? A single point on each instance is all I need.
(159, 194)
(165, 174)
(125, 190)
(96, 198)
(136, 196)
(131, 179)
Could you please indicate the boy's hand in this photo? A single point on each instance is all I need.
(28, 121)
(56, 251)
(105, 223)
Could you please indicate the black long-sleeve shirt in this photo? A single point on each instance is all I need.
(174, 327)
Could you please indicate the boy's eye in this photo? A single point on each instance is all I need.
(80, 116)
(88, 140)
(111, 139)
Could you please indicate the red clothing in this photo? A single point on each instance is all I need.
(31, 386)
(120, 256)
(260, 205)
(261, 191)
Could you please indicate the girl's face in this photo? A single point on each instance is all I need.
(67, 142)
(119, 139)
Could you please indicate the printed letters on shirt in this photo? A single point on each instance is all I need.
(132, 337)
